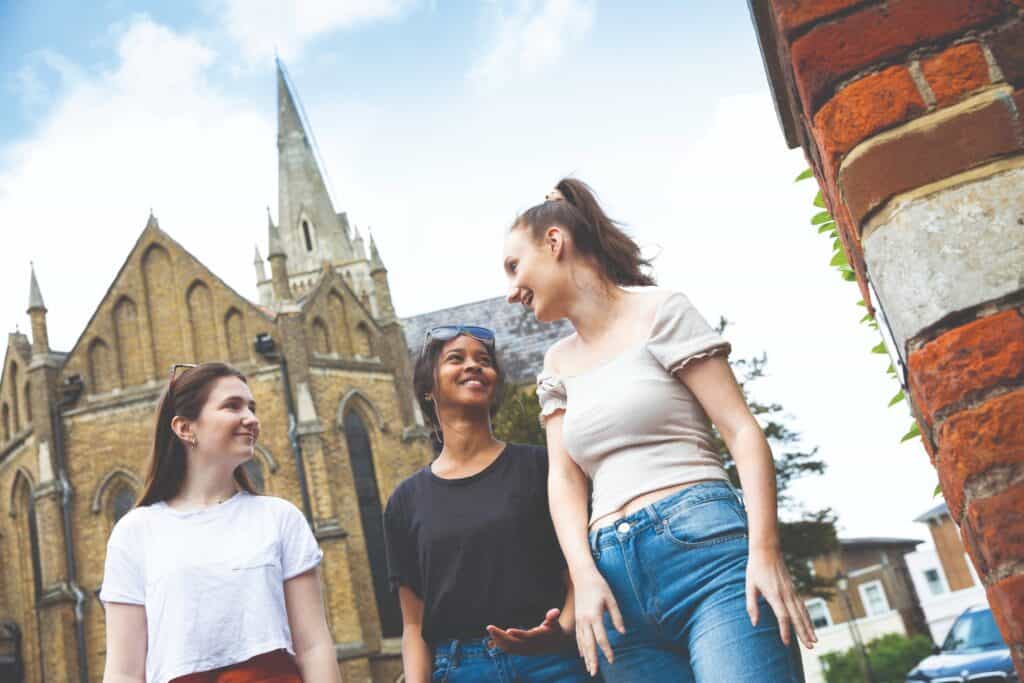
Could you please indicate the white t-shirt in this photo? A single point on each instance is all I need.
(211, 580)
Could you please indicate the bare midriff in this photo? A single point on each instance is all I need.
(640, 502)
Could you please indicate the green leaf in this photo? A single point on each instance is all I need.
(849, 276)
(914, 431)
(879, 348)
(804, 176)
(819, 200)
(821, 217)
(896, 399)
(866, 318)
(837, 244)
(890, 370)
(938, 490)
(839, 259)
(827, 227)
(862, 304)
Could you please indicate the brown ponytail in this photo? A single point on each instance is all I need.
(594, 234)
(185, 396)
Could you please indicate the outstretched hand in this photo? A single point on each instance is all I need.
(544, 639)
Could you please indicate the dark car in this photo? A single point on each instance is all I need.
(974, 652)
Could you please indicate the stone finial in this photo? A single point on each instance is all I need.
(375, 259)
(152, 222)
(274, 247)
(35, 296)
(256, 257)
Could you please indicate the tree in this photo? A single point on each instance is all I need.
(891, 656)
(809, 535)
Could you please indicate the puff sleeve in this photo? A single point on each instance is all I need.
(681, 335)
(551, 394)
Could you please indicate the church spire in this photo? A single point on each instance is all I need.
(37, 313)
(375, 261)
(35, 296)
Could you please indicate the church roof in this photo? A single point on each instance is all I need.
(521, 340)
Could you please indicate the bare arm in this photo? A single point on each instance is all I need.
(417, 660)
(311, 638)
(126, 643)
(715, 386)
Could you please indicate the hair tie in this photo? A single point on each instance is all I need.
(554, 195)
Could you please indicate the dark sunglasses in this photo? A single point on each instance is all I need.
(449, 332)
(174, 369)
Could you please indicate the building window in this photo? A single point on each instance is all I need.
(306, 234)
(124, 500)
(363, 472)
(873, 596)
(935, 584)
(818, 610)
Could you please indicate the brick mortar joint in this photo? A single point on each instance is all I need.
(956, 320)
(1002, 572)
(991, 482)
(977, 398)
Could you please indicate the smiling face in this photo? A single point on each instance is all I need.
(538, 272)
(464, 375)
(227, 426)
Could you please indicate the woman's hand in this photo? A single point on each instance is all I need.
(768, 576)
(593, 597)
(549, 637)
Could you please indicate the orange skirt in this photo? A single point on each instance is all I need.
(271, 667)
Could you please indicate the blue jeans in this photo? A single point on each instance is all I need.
(678, 572)
(480, 661)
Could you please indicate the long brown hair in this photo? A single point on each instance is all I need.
(595, 235)
(185, 395)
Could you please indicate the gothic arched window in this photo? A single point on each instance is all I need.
(361, 457)
(307, 235)
(253, 468)
(122, 501)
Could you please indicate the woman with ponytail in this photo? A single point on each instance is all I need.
(677, 578)
(205, 581)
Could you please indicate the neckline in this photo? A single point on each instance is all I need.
(455, 481)
(209, 511)
(628, 350)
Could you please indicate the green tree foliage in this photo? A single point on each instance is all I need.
(891, 657)
(805, 536)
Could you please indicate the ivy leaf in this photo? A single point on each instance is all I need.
(914, 431)
(938, 490)
(866, 318)
(879, 348)
(804, 176)
(827, 227)
(890, 370)
(862, 304)
(849, 276)
(839, 259)
(819, 200)
(896, 399)
(821, 217)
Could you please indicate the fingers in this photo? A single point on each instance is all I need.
(782, 616)
(588, 650)
(615, 614)
(805, 630)
(602, 641)
(752, 603)
(552, 616)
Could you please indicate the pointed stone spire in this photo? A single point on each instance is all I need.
(152, 222)
(257, 262)
(274, 247)
(37, 313)
(358, 246)
(35, 296)
(375, 260)
(256, 256)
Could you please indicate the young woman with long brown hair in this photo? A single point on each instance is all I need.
(675, 578)
(205, 581)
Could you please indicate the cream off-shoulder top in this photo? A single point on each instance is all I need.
(630, 424)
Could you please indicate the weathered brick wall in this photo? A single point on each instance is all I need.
(912, 115)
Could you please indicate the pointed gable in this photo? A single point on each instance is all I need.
(339, 322)
(163, 307)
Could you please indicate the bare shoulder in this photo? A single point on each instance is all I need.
(559, 350)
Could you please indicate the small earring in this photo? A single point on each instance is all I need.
(194, 442)
(428, 397)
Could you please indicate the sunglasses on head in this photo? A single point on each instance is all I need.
(449, 332)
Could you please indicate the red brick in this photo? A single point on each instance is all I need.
(1007, 601)
(1007, 45)
(865, 107)
(792, 15)
(928, 154)
(977, 439)
(993, 529)
(838, 49)
(979, 355)
(956, 72)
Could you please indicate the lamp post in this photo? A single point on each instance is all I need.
(842, 583)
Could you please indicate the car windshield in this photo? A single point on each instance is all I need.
(974, 632)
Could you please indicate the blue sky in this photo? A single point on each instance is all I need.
(438, 122)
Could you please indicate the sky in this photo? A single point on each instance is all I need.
(437, 123)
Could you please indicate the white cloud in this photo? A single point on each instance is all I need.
(150, 133)
(261, 26)
(533, 37)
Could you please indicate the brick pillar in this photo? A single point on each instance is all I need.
(911, 113)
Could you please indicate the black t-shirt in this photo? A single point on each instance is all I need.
(478, 550)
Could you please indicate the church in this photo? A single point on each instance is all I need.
(327, 361)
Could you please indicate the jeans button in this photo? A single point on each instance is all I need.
(623, 528)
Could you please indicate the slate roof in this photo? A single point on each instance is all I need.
(522, 340)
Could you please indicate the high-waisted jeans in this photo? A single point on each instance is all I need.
(678, 572)
(480, 661)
